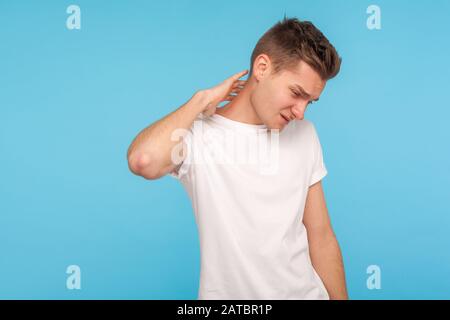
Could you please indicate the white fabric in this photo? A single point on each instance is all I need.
(253, 243)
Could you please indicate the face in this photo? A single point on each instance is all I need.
(283, 97)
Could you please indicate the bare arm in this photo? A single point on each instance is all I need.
(150, 154)
(324, 249)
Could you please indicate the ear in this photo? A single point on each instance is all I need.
(261, 66)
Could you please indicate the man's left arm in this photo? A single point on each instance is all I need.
(324, 249)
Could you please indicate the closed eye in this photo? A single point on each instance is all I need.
(296, 95)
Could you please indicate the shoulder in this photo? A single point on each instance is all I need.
(303, 133)
(303, 128)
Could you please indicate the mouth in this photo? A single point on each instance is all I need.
(285, 118)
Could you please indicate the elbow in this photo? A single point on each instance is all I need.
(141, 164)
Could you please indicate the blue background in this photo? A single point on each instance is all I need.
(71, 101)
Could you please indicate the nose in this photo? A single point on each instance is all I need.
(299, 111)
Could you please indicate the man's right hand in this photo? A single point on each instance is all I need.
(150, 153)
(224, 91)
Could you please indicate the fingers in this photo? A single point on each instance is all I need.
(239, 83)
(230, 97)
(237, 87)
(239, 75)
(236, 90)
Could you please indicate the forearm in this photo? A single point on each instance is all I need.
(152, 148)
(326, 258)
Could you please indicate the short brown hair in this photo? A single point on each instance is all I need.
(291, 40)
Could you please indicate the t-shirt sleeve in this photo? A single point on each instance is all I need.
(182, 170)
(319, 171)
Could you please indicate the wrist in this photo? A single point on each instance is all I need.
(202, 99)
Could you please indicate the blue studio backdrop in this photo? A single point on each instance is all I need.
(72, 99)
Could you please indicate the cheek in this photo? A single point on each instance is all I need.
(273, 99)
(269, 99)
(284, 100)
(281, 101)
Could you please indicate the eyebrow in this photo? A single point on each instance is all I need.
(300, 88)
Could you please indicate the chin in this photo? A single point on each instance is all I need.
(275, 123)
(276, 126)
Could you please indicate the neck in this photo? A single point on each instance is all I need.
(241, 108)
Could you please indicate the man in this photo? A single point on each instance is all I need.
(263, 235)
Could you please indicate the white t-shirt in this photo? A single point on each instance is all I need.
(248, 204)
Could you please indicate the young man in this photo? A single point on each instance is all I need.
(263, 234)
